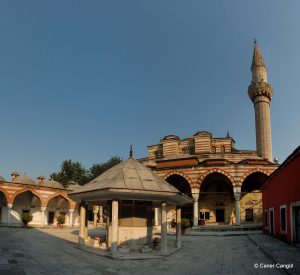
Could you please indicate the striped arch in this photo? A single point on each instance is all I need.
(182, 175)
(71, 203)
(25, 190)
(216, 170)
(5, 194)
(252, 171)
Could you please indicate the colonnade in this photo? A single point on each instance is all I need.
(195, 195)
(114, 237)
(44, 222)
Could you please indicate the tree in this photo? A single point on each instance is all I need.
(73, 171)
(70, 171)
(98, 168)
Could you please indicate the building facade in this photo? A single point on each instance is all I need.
(45, 200)
(281, 201)
(224, 182)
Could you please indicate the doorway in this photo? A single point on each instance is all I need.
(51, 217)
(220, 215)
(249, 215)
(272, 222)
(297, 224)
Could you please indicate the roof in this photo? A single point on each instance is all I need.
(24, 180)
(2, 179)
(72, 186)
(129, 180)
(53, 184)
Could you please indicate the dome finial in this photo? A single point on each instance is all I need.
(131, 152)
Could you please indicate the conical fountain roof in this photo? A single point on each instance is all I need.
(129, 180)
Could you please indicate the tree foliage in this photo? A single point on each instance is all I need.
(73, 171)
(70, 171)
(98, 168)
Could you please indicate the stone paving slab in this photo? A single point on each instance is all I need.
(54, 251)
(280, 252)
(221, 233)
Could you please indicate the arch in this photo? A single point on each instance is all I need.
(26, 189)
(180, 183)
(252, 171)
(182, 175)
(215, 170)
(58, 194)
(5, 194)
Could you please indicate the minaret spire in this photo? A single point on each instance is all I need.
(261, 92)
(257, 59)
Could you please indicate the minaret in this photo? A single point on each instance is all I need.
(260, 92)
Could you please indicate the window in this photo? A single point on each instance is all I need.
(213, 149)
(283, 218)
(204, 215)
(249, 215)
(222, 149)
(266, 218)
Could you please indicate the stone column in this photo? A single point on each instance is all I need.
(237, 207)
(108, 233)
(95, 211)
(114, 228)
(156, 216)
(195, 194)
(9, 208)
(82, 224)
(43, 215)
(164, 233)
(71, 212)
(178, 226)
(86, 223)
(101, 214)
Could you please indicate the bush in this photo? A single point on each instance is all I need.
(185, 223)
(26, 218)
(61, 219)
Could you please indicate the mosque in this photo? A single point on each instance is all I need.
(223, 183)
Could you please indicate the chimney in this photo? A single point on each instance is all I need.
(41, 180)
(14, 175)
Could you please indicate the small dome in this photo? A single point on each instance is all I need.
(171, 137)
(24, 180)
(53, 184)
(72, 185)
(203, 133)
(2, 179)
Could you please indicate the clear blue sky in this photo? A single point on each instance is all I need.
(85, 79)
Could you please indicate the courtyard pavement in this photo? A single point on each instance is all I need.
(54, 251)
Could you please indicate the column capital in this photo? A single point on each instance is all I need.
(195, 193)
(71, 210)
(237, 196)
(9, 205)
(43, 208)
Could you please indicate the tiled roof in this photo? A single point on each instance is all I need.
(130, 176)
